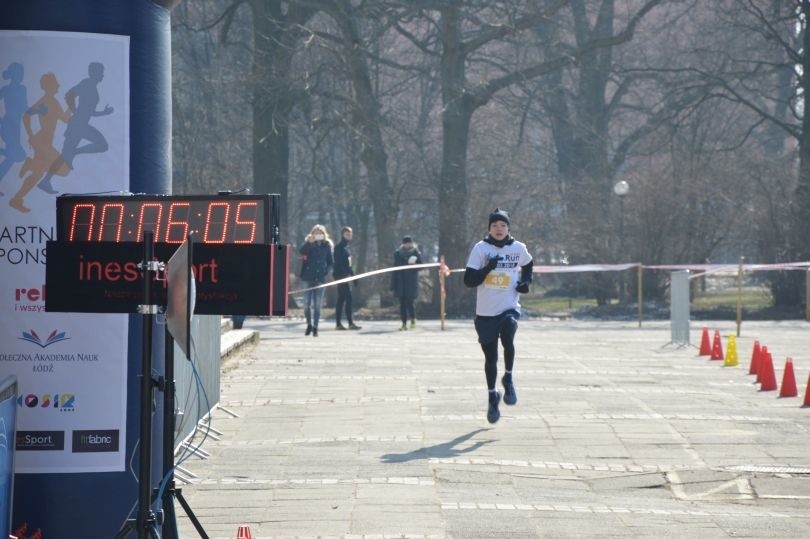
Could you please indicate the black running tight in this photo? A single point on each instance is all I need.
(507, 334)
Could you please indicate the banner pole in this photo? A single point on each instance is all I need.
(739, 294)
(441, 291)
(807, 295)
(640, 293)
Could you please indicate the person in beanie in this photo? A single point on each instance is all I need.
(343, 268)
(317, 262)
(405, 283)
(500, 267)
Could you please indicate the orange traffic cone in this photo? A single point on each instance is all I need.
(754, 365)
(768, 375)
(807, 395)
(244, 532)
(764, 354)
(705, 347)
(789, 388)
(717, 347)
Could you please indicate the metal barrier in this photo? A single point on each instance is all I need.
(205, 338)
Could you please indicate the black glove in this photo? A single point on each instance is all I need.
(493, 262)
(522, 287)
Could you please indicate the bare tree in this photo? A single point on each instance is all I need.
(277, 35)
(466, 33)
(210, 144)
(753, 55)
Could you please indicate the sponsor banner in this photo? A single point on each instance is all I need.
(64, 128)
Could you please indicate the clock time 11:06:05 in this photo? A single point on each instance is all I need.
(210, 221)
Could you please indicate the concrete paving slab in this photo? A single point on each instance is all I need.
(381, 433)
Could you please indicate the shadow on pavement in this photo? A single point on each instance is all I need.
(445, 450)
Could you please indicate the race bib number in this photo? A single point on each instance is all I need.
(497, 280)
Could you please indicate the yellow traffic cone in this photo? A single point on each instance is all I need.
(731, 353)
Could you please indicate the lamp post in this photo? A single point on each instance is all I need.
(620, 189)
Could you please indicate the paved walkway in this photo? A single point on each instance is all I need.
(381, 433)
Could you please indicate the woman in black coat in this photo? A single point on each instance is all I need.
(405, 283)
(317, 262)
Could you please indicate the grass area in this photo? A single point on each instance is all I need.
(752, 298)
(719, 300)
(555, 304)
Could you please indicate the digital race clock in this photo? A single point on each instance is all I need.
(238, 264)
(212, 219)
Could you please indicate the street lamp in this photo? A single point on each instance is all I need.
(620, 189)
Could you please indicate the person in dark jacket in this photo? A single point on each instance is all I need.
(405, 283)
(317, 262)
(343, 268)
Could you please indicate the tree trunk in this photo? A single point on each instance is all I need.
(802, 199)
(458, 107)
(274, 38)
(367, 117)
(801, 214)
(580, 133)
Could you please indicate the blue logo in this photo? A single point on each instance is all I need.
(54, 337)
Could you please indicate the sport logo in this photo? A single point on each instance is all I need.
(40, 440)
(30, 300)
(95, 441)
(54, 337)
(64, 402)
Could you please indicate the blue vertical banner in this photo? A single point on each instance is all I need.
(85, 95)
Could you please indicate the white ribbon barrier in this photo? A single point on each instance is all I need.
(584, 267)
(367, 274)
(703, 269)
(709, 269)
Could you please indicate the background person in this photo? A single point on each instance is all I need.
(405, 283)
(317, 262)
(342, 255)
(500, 267)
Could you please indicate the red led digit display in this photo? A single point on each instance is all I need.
(112, 220)
(216, 223)
(149, 219)
(82, 219)
(245, 222)
(210, 219)
(177, 224)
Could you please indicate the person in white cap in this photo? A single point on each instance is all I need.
(500, 267)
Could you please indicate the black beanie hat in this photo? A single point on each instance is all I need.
(499, 215)
(407, 239)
